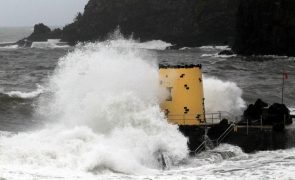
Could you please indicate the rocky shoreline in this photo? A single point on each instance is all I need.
(250, 27)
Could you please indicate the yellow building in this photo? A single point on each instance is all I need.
(185, 102)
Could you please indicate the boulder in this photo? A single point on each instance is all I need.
(279, 114)
(254, 112)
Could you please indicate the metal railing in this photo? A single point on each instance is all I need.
(217, 141)
(224, 134)
(207, 119)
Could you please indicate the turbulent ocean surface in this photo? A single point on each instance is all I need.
(92, 111)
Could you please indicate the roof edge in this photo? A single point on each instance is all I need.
(179, 66)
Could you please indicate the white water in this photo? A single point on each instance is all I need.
(116, 40)
(26, 95)
(223, 96)
(103, 118)
(216, 55)
(215, 47)
(9, 47)
(49, 44)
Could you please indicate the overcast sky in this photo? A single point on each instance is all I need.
(30, 12)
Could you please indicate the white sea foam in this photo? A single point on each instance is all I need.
(215, 48)
(9, 47)
(104, 116)
(49, 44)
(223, 96)
(26, 95)
(185, 48)
(124, 43)
(216, 55)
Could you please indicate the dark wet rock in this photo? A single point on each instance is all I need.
(279, 114)
(185, 23)
(226, 52)
(266, 27)
(254, 111)
(41, 33)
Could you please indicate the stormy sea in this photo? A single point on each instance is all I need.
(92, 111)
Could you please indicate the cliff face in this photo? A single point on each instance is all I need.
(182, 22)
(266, 27)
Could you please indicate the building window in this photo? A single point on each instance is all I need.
(169, 97)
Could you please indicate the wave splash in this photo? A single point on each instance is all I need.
(223, 96)
(103, 115)
(117, 40)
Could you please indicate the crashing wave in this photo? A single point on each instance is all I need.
(124, 43)
(117, 40)
(223, 96)
(103, 115)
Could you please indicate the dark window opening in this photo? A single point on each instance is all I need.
(169, 98)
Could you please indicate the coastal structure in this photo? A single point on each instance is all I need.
(262, 127)
(184, 104)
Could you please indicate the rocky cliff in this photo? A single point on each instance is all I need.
(266, 27)
(181, 22)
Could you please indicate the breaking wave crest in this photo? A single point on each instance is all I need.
(103, 115)
(26, 95)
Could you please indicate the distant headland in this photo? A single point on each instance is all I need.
(250, 27)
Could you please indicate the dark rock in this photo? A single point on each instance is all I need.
(265, 27)
(41, 29)
(185, 23)
(279, 114)
(40, 33)
(226, 52)
(254, 112)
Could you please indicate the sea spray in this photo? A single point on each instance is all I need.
(104, 115)
(223, 96)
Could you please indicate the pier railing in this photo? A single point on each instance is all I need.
(203, 119)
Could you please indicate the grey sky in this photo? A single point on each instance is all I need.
(30, 12)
